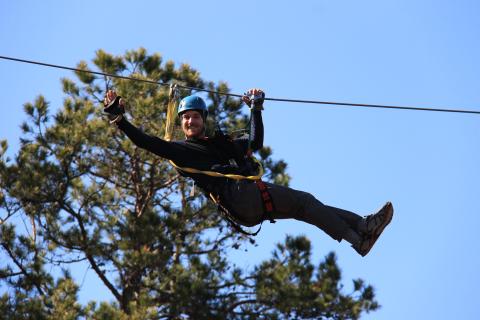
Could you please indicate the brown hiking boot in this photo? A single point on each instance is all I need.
(375, 224)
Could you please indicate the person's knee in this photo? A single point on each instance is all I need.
(309, 200)
(306, 205)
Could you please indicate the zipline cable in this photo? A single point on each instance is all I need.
(239, 95)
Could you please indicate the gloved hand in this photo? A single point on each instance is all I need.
(114, 106)
(257, 95)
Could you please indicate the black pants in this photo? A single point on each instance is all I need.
(243, 197)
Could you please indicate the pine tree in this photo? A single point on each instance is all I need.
(90, 196)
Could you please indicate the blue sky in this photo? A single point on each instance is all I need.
(415, 53)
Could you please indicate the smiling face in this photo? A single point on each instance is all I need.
(192, 124)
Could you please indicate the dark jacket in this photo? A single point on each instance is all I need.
(208, 154)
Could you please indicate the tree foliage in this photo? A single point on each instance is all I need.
(86, 194)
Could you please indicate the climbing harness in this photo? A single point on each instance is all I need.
(268, 205)
(267, 201)
(222, 175)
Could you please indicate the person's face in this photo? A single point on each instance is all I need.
(192, 124)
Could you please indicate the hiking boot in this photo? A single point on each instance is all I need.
(375, 224)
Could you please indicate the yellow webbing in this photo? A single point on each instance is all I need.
(171, 108)
(222, 175)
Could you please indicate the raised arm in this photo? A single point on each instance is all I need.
(254, 99)
(115, 108)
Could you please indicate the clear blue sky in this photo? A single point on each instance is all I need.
(405, 52)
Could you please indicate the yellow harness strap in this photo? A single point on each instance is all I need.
(171, 108)
(223, 175)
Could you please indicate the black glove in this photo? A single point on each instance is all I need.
(115, 110)
(255, 95)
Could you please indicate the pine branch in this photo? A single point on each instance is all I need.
(233, 284)
(22, 269)
(90, 257)
(239, 303)
(9, 215)
(10, 275)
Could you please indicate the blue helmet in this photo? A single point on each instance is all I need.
(193, 103)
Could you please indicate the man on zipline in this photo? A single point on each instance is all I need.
(248, 202)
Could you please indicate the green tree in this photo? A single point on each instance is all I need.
(89, 195)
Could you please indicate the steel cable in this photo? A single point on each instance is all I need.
(239, 95)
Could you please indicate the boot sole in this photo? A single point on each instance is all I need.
(389, 216)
